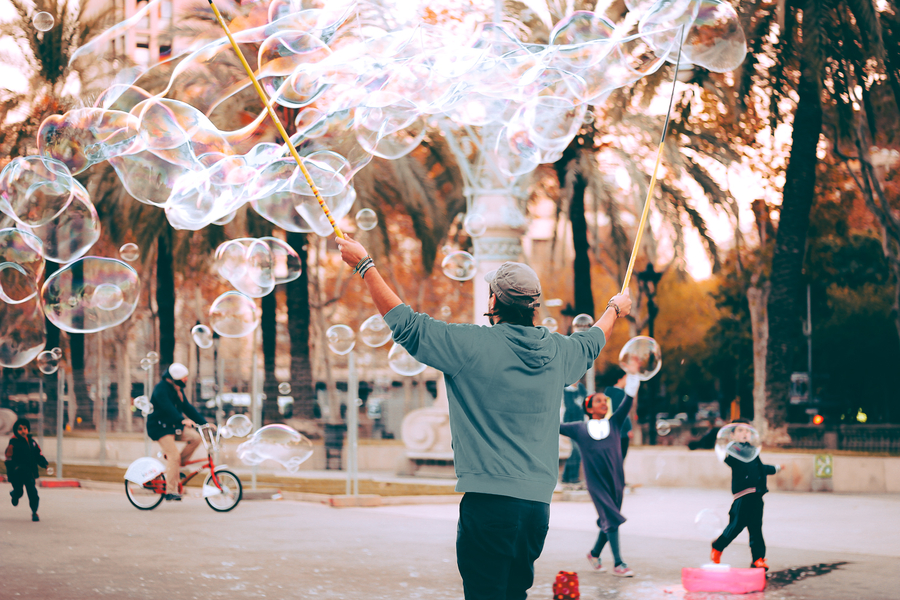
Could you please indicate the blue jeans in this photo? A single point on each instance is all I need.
(498, 538)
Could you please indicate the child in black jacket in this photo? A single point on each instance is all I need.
(748, 484)
(23, 457)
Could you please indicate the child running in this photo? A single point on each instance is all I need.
(599, 440)
(748, 484)
(23, 457)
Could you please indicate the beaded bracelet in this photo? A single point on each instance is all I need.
(612, 304)
(368, 265)
(360, 264)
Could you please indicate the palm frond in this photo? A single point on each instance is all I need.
(869, 25)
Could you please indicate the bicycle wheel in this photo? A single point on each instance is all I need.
(146, 496)
(231, 491)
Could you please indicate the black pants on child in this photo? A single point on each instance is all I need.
(28, 483)
(611, 536)
(498, 538)
(746, 511)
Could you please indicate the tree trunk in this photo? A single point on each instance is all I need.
(123, 377)
(50, 381)
(787, 261)
(269, 325)
(165, 300)
(584, 297)
(757, 298)
(81, 397)
(298, 330)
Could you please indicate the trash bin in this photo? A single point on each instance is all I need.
(334, 444)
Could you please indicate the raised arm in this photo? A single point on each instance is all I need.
(353, 253)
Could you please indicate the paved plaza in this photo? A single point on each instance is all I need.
(91, 543)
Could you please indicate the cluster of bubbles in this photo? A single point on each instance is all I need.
(641, 356)
(738, 440)
(364, 92)
(254, 266)
(48, 361)
(277, 442)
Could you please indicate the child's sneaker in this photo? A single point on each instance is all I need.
(715, 556)
(35, 517)
(760, 563)
(596, 563)
(623, 571)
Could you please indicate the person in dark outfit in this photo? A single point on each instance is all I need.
(748, 484)
(503, 386)
(601, 450)
(573, 403)
(616, 394)
(23, 457)
(167, 424)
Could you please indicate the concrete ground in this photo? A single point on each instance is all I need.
(91, 543)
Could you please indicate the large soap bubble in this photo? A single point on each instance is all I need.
(71, 233)
(34, 190)
(402, 363)
(279, 443)
(459, 266)
(91, 294)
(341, 339)
(738, 440)
(366, 219)
(47, 362)
(374, 332)
(233, 315)
(641, 356)
(23, 249)
(42, 21)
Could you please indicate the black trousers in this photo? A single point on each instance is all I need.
(746, 511)
(18, 483)
(498, 538)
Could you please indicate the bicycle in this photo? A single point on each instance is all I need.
(145, 479)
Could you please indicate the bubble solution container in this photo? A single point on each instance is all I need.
(722, 578)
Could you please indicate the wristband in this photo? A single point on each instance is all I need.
(366, 266)
(613, 305)
(362, 262)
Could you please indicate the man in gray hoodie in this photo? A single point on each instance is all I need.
(503, 384)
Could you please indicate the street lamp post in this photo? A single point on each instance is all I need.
(648, 280)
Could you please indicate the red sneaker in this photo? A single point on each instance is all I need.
(760, 563)
(715, 556)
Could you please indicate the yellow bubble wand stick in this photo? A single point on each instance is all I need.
(274, 117)
(662, 141)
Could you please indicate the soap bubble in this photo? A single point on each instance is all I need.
(142, 403)
(233, 315)
(71, 233)
(277, 442)
(459, 266)
(239, 425)
(374, 332)
(35, 190)
(446, 312)
(129, 252)
(57, 353)
(663, 427)
(402, 363)
(42, 21)
(47, 362)
(709, 523)
(50, 471)
(202, 336)
(641, 356)
(341, 339)
(153, 357)
(146, 364)
(738, 440)
(91, 294)
(582, 322)
(225, 432)
(551, 324)
(22, 249)
(16, 284)
(284, 388)
(475, 224)
(366, 219)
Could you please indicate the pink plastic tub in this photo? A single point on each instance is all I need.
(719, 579)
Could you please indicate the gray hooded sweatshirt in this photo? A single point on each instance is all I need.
(504, 384)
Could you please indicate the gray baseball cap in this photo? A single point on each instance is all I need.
(515, 284)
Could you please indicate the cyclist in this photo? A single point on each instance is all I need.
(173, 418)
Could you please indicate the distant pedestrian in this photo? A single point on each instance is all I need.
(748, 484)
(503, 385)
(23, 457)
(601, 450)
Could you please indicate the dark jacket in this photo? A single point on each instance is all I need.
(169, 411)
(748, 475)
(23, 457)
